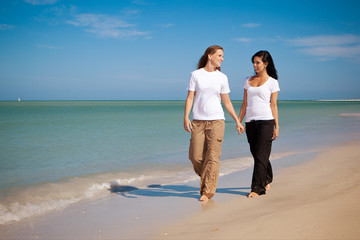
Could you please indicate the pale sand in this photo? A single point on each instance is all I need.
(318, 199)
(308, 201)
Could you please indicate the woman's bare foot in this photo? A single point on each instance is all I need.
(204, 198)
(253, 195)
(267, 186)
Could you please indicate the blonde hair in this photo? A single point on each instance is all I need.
(204, 58)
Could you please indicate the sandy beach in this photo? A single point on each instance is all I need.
(314, 196)
(314, 200)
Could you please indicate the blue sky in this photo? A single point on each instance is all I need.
(146, 49)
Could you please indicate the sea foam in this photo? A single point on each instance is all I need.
(19, 204)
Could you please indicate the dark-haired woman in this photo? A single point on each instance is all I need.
(262, 124)
(207, 87)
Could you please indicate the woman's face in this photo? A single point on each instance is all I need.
(259, 65)
(217, 58)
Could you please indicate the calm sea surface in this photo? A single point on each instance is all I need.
(54, 154)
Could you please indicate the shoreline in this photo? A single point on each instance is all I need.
(145, 212)
(125, 212)
(42, 199)
(320, 202)
(174, 100)
(339, 100)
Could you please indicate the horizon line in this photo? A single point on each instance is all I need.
(123, 100)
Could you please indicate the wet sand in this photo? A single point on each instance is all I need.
(315, 199)
(318, 199)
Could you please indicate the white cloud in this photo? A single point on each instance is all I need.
(168, 25)
(98, 21)
(251, 25)
(57, 11)
(129, 11)
(105, 26)
(328, 47)
(334, 51)
(243, 40)
(4, 27)
(326, 40)
(41, 2)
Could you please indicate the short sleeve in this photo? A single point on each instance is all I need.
(246, 84)
(275, 86)
(191, 85)
(225, 88)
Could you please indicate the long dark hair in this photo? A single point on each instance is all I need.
(266, 58)
(209, 51)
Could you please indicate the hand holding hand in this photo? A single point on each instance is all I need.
(240, 128)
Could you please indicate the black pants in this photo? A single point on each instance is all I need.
(259, 135)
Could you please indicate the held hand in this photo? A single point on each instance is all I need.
(240, 128)
(187, 125)
(275, 134)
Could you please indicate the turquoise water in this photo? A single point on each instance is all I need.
(54, 154)
(46, 141)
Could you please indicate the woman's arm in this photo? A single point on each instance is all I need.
(243, 107)
(188, 106)
(274, 110)
(230, 108)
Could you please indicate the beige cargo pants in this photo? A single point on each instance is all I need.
(204, 153)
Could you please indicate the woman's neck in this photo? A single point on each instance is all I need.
(263, 75)
(209, 68)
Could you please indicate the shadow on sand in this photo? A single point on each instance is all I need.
(157, 190)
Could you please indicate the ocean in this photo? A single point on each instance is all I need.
(54, 154)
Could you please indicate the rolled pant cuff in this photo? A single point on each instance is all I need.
(208, 195)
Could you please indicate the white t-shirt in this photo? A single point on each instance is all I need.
(207, 87)
(258, 100)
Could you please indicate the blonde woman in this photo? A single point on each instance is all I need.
(207, 87)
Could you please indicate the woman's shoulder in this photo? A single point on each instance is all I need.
(248, 79)
(273, 84)
(196, 74)
(223, 75)
(273, 81)
(246, 84)
(196, 71)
